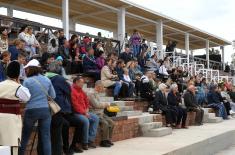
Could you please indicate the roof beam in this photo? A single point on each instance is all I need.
(138, 26)
(90, 14)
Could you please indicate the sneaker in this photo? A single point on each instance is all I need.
(78, 149)
(92, 145)
(104, 143)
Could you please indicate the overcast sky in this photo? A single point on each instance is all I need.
(214, 16)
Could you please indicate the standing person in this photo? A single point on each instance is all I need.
(160, 103)
(126, 55)
(65, 118)
(109, 79)
(31, 42)
(174, 99)
(61, 38)
(22, 61)
(106, 123)
(81, 106)
(11, 89)
(53, 43)
(37, 108)
(136, 42)
(23, 32)
(15, 49)
(4, 41)
(191, 104)
(6, 56)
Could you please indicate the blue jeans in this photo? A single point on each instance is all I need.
(221, 109)
(89, 128)
(136, 50)
(31, 116)
(117, 88)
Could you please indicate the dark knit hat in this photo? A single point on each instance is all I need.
(13, 69)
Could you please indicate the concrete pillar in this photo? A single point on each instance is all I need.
(159, 38)
(65, 17)
(222, 57)
(121, 27)
(115, 35)
(187, 47)
(207, 53)
(72, 25)
(10, 11)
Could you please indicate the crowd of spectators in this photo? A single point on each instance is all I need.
(133, 73)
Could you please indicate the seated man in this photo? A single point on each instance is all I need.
(174, 98)
(89, 120)
(106, 123)
(215, 101)
(160, 103)
(191, 104)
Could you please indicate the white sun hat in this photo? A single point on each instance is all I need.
(33, 63)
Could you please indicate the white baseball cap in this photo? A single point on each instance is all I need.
(33, 63)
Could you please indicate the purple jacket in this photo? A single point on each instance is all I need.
(135, 39)
(100, 62)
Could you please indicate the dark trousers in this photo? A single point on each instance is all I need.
(71, 120)
(137, 87)
(181, 115)
(106, 127)
(170, 114)
(199, 115)
(227, 107)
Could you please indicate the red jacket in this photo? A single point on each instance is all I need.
(79, 99)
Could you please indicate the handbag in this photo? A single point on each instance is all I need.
(55, 108)
(113, 109)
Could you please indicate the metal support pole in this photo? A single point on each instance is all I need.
(207, 53)
(159, 35)
(187, 47)
(65, 17)
(222, 56)
(10, 12)
(72, 25)
(121, 27)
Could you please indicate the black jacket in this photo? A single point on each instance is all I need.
(173, 100)
(190, 100)
(160, 101)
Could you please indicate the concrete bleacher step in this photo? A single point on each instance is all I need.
(129, 113)
(215, 120)
(106, 99)
(158, 132)
(148, 126)
(119, 103)
(126, 108)
(145, 118)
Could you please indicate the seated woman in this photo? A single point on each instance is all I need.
(108, 79)
(127, 80)
(160, 103)
(90, 65)
(215, 101)
(228, 103)
(135, 74)
(174, 100)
